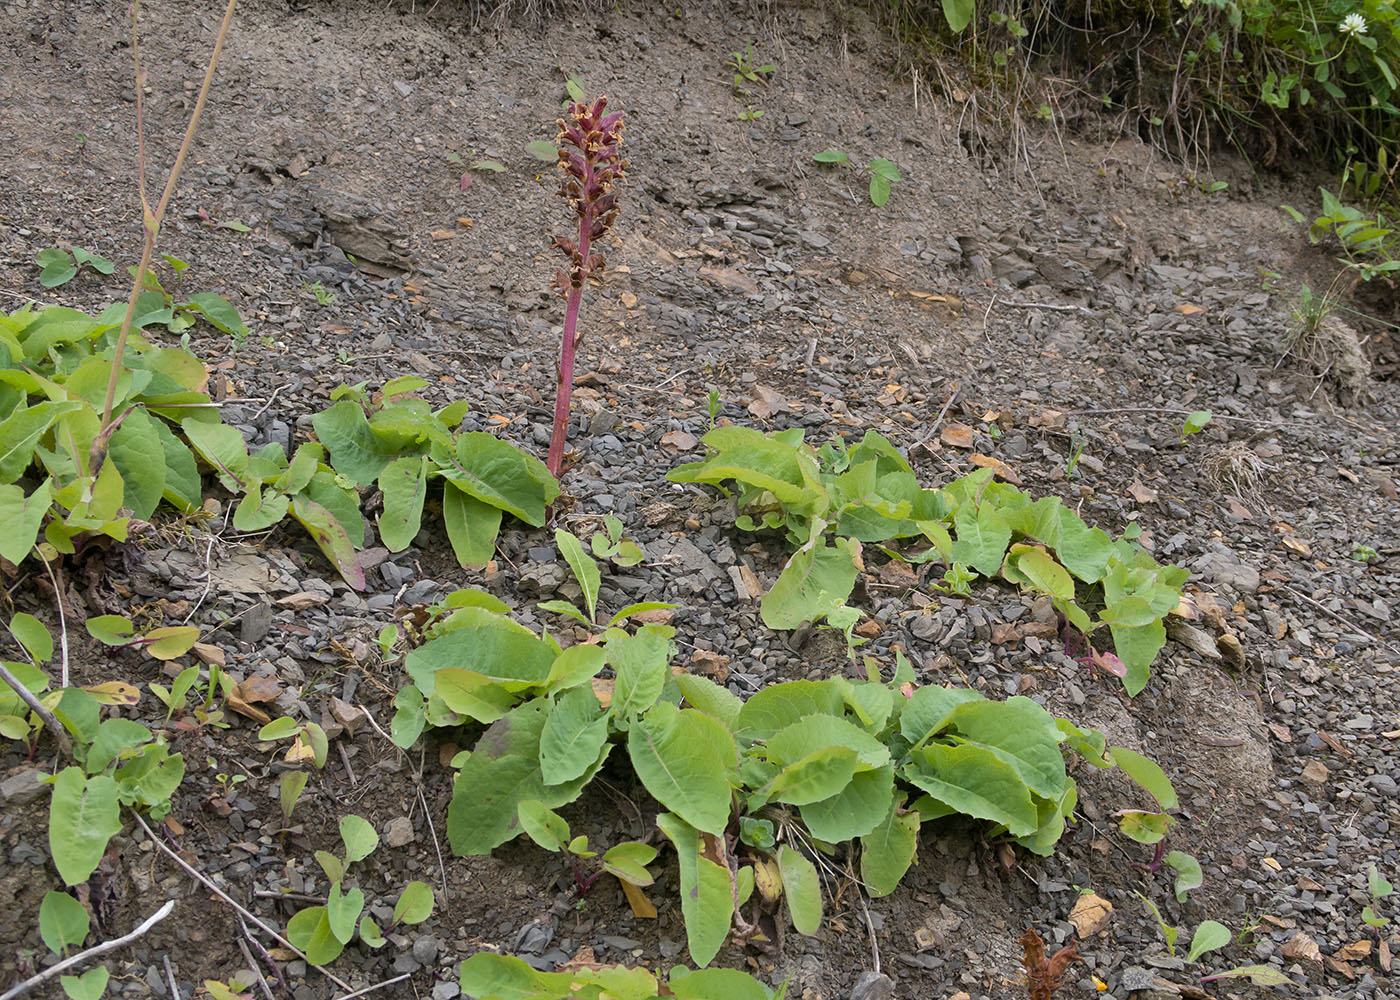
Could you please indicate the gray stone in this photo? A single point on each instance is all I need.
(1382, 783)
(255, 623)
(426, 948)
(872, 986)
(21, 788)
(399, 832)
(446, 991)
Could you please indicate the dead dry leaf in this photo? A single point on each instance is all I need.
(1355, 951)
(642, 907)
(1302, 946)
(1141, 493)
(999, 468)
(957, 435)
(679, 441)
(210, 654)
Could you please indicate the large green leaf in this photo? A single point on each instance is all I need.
(684, 757)
(887, 851)
(114, 737)
(975, 782)
(929, 710)
(708, 697)
(468, 693)
(343, 911)
(854, 811)
(260, 508)
(182, 486)
(762, 461)
(20, 517)
(331, 537)
(983, 535)
(223, 448)
(709, 984)
(404, 483)
(707, 901)
(802, 889)
(84, 814)
(20, 432)
(1021, 733)
(817, 732)
(1146, 773)
(218, 311)
(356, 452)
(573, 736)
(486, 643)
(1137, 648)
(640, 664)
(472, 526)
(814, 583)
(63, 921)
(136, 450)
(817, 776)
(310, 930)
(780, 705)
(500, 474)
(502, 771)
(505, 977)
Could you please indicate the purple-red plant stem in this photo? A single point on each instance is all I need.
(567, 350)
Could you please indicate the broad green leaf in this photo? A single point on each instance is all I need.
(1188, 873)
(469, 693)
(814, 583)
(983, 535)
(854, 811)
(1144, 827)
(415, 904)
(629, 860)
(576, 665)
(707, 901)
(20, 518)
(150, 778)
(958, 14)
(370, 934)
(472, 526)
(500, 474)
(1209, 936)
(1376, 883)
(683, 757)
(84, 814)
(89, 986)
(114, 737)
(817, 732)
(356, 452)
(1146, 773)
(885, 169)
(63, 922)
(762, 461)
(33, 635)
(710, 984)
(543, 149)
(136, 449)
(343, 912)
(289, 789)
(182, 485)
(409, 717)
(887, 851)
(830, 156)
(259, 509)
(222, 447)
(500, 772)
(310, 930)
(706, 696)
(20, 432)
(79, 712)
(219, 312)
(1083, 550)
(573, 736)
(879, 190)
(817, 776)
(1195, 422)
(170, 641)
(279, 729)
(331, 537)
(58, 267)
(929, 710)
(488, 644)
(359, 837)
(1022, 734)
(543, 825)
(780, 705)
(1137, 648)
(802, 889)
(331, 865)
(871, 701)
(1130, 612)
(1043, 572)
(974, 782)
(635, 609)
(584, 568)
(404, 483)
(640, 664)
(505, 977)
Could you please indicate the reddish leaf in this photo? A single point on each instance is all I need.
(1042, 974)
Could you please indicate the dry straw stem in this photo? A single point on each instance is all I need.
(92, 952)
(150, 221)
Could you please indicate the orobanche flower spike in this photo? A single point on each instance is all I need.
(591, 163)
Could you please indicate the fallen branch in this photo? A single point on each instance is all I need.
(371, 989)
(51, 723)
(92, 952)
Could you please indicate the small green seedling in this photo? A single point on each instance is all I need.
(289, 789)
(746, 73)
(712, 406)
(324, 931)
(308, 740)
(89, 986)
(58, 268)
(1195, 423)
(63, 922)
(882, 172)
(589, 579)
(323, 295)
(1379, 889)
(232, 990)
(1365, 554)
(610, 544)
(491, 166)
(547, 828)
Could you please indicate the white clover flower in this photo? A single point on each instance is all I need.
(1353, 24)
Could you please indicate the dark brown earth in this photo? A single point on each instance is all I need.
(1050, 287)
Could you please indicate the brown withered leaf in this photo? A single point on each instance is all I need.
(679, 441)
(1302, 946)
(957, 435)
(210, 654)
(246, 693)
(1355, 951)
(999, 468)
(1042, 974)
(642, 907)
(1141, 493)
(1383, 955)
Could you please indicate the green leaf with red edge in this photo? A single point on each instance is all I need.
(331, 538)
